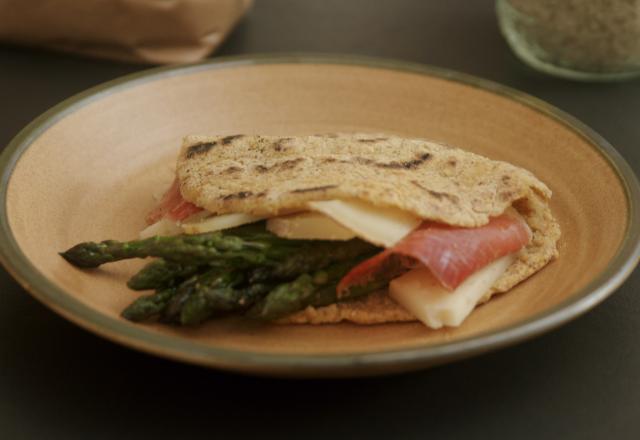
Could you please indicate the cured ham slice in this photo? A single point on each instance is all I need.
(451, 253)
(172, 206)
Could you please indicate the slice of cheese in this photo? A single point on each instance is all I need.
(420, 293)
(380, 226)
(161, 227)
(308, 226)
(218, 222)
(197, 224)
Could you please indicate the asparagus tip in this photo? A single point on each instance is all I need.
(77, 255)
(132, 315)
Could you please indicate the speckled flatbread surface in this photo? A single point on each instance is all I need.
(271, 175)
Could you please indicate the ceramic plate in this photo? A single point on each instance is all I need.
(87, 169)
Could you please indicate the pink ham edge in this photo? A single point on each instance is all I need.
(172, 206)
(451, 253)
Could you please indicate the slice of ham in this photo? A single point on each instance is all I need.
(172, 206)
(451, 253)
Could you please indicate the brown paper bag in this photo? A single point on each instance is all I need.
(144, 31)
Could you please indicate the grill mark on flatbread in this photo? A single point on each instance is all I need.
(437, 194)
(372, 140)
(238, 195)
(232, 169)
(315, 188)
(289, 164)
(440, 195)
(200, 148)
(228, 139)
(204, 147)
(280, 166)
(408, 165)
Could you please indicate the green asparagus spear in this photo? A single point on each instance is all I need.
(187, 249)
(171, 313)
(317, 288)
(148, 306)
(212, 279)
(160, 274)
(313, 256)
(206, 302)
(284, 299)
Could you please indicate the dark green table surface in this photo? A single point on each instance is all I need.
(580, 381)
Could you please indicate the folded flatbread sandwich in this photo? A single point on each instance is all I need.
(444, 229)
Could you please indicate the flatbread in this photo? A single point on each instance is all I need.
(272, 175)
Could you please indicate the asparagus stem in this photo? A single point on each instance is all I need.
(187, 249)
(171, 313)
(318, 288)
(160, 274)
(194, 289)
(148, 306)
(314, 256)
(207, 301)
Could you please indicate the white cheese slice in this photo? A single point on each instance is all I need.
(420, 293)
(380, 226)
(161, 227)
(308, 226)
(218, 222)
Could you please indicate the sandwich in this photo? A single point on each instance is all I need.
(366, 228)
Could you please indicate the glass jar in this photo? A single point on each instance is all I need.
(587, 40)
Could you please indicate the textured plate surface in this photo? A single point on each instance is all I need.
(87, 169)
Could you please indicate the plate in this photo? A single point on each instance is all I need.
(87, 169)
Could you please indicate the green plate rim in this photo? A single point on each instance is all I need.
(136, 336)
